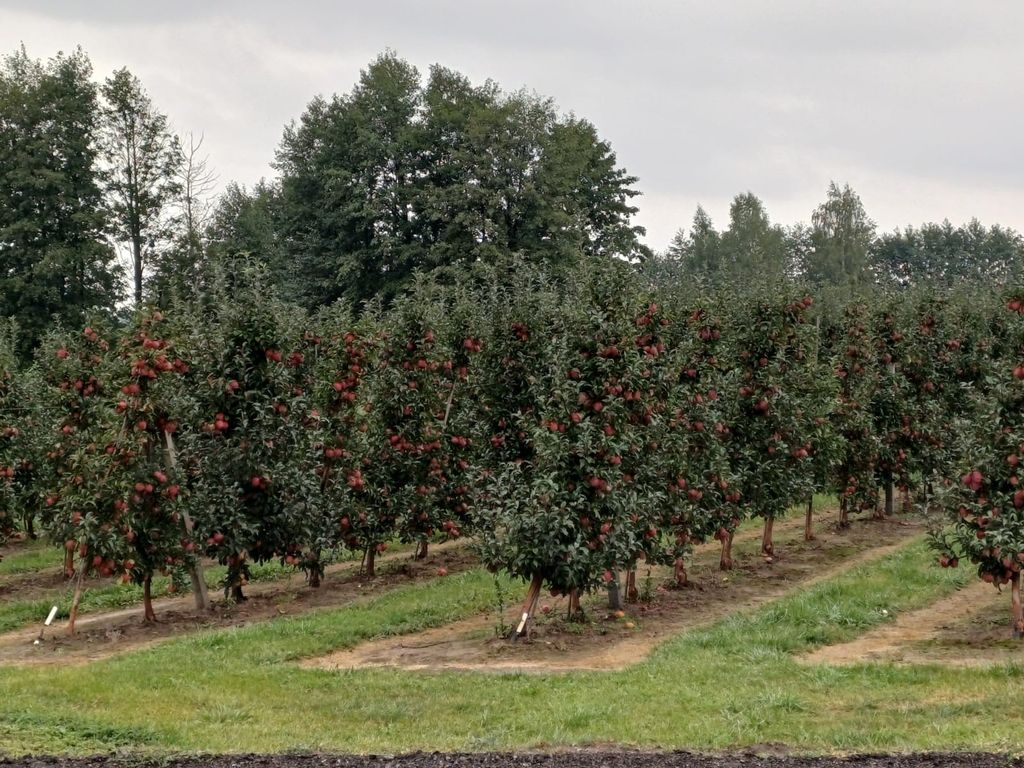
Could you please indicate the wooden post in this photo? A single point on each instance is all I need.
(767, 544)
(682, 578)
(725, 562)
(149, 615)
(890, 497)
(614, 596)
(575, 609)
(529, 607)
(73, 616)
(809, 521)
(195, 569)
(1018, 611)
(632, 593)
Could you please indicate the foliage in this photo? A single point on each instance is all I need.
(399, 175)
(54, 261)
(142, 159)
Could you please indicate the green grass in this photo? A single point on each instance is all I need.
(733, 684)
(31, 557)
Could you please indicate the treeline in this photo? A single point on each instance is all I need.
(573, 426)
(841, 247)
(102, 204)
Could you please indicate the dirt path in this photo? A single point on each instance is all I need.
(967, 629)
(100, 635)
(610, 643)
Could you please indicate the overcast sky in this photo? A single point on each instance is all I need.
(915, 103)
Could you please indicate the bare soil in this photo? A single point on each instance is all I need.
(101, 635)
(607, 642)
(970, 628)
(585, 758)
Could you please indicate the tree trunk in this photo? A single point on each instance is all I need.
(1018, 611)
(195, 568)
(370, 562)
(614, 596)
(237, 595)
(575, 609)
(69, 564)
(890, 497)
(725, 562)
(906, 499)
(844, 512)
(767, 544)
(30, 526)
(73, 615)
(529, 607)
(421, 550)
(314, 577)
(149, 616)
(809, 521)
(682, 578)
(632, 594)
(137, 258)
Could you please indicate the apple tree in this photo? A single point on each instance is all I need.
(251, 447)
(985, 503)
(785, 400)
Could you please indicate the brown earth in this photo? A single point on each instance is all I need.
(579, 758)
(100, 635)
(607, 642)
(970, 628)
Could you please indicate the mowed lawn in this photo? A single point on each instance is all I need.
(733, 684)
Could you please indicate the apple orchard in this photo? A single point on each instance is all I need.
(570, 430)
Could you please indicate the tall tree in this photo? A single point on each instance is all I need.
(752, 246)
(347, 181)
(53, 257)
(947, 255)
(697, 252)
(400, 175)
(176, 270)
(143, 158)
(841, 239)
(244, 222)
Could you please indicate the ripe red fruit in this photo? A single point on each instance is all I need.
(442, 571)
(62, 353)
